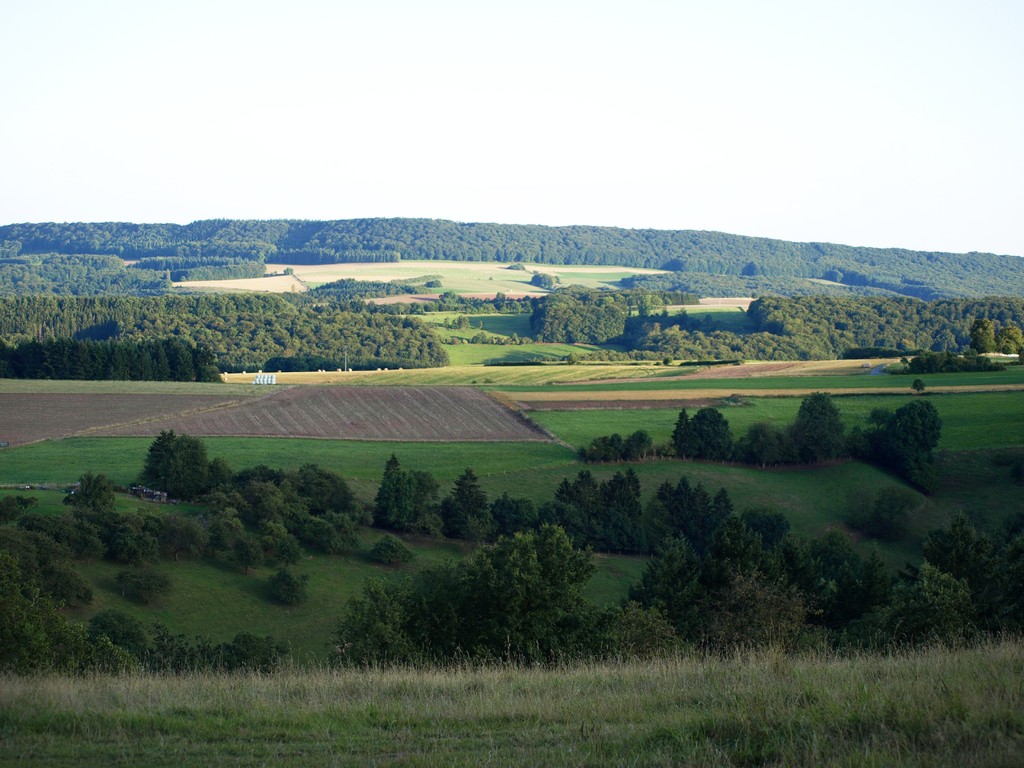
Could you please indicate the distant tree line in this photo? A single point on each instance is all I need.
(156, 360)
(181, 268)
(242, 331)
(945, 362)
(76, 275)
(781, 328)
(707, 263)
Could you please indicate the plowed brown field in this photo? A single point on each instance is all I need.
(28, 417)
(339, 413)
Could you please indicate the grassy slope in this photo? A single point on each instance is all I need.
(814, 499)
(937, 708)
(969, 421)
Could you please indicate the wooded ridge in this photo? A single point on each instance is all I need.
(708, 263)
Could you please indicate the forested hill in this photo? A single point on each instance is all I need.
(709, 263)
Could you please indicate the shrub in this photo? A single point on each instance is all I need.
(391, 551)
(287, 588)
(886, 515)
(122, 630)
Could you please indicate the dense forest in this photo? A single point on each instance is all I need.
(778, 328)
(84, 359)
(707, 263)
(242, 332)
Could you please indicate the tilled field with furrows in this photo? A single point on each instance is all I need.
(354, 413)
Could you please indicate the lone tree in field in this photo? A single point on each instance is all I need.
(917, 386)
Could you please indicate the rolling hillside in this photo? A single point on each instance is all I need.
(709, 263)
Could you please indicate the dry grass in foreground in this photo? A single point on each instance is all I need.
(937, 707)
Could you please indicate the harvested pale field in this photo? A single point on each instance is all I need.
(574, 399)
(30, 417)
(743, 302)
(427, 298)
(270, 284)
(408, 414)
(610, 405)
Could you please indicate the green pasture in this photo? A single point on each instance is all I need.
(361, 463)
(216, 599)
(494, 354)
(496, 325)
(724, 318)
(813, 499)
(51, 502)
(970, 421)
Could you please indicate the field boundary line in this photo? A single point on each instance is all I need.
(517, 411)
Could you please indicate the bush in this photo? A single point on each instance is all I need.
(391, 551)
(124, 631)
(887, 514)
(287, 588)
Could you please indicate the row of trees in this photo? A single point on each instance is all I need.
(157, 360)
(780, 328)
(607, 515)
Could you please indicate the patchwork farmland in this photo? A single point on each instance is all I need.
(408, 414)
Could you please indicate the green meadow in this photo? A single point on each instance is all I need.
(970, 421)
(361, 463)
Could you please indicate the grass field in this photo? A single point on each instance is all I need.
(937, 708)
(493, 325)
(214, 598)
(725, 317)
(495, 354)
(361, 463)
(970, 421)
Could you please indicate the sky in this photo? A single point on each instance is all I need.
(889, 123)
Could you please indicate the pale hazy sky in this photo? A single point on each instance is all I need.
(876, 122)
